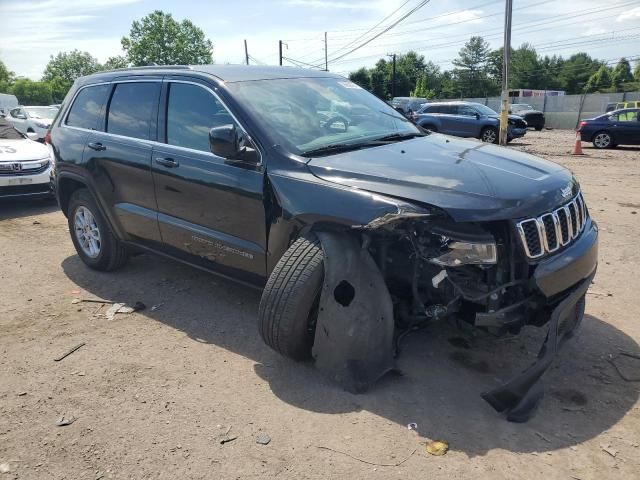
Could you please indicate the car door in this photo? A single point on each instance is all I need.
(626, 128)
(466, 120)
(210, 209)
(118, 154)
(448, 119)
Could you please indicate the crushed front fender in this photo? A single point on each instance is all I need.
(354, 332)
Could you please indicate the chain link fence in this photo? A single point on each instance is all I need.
(563, 112)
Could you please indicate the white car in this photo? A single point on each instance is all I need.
(32, 119)
(26, 166)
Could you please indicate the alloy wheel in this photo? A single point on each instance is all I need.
(87, 232)
(602, 140)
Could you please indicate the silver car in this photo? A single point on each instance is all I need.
(32, 119)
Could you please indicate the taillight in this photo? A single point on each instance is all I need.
(47, 137)
(582, 124)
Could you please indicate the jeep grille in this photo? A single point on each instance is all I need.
(553, 230)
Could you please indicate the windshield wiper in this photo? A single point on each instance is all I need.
(399, 137)
(338, 148)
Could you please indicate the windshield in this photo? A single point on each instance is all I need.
(483, 109)
(41, 112)
(307, 114)
(522, 106)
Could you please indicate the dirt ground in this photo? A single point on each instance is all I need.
(155, 392)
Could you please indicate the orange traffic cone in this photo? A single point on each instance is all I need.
(577, 147)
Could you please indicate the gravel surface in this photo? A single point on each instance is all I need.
(184, 388)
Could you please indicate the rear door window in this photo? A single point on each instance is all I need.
(131, 108)
(448, 109)
(466, 111)
(191, 112)
(86, 108)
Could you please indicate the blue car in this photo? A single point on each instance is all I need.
(468, 119)
(620, 127)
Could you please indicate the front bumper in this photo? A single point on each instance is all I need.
(27, 186)
(563, 279)
(517, 132)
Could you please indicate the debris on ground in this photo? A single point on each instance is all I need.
(69, 352)
(156, 307)
(227, 440)
(22, 394)
(263, 439)
(123, 308)
(412, 426)
(611, 451)
(4, 468)
(397, 464)
(64, 421)
(614, 358)
(437, 447)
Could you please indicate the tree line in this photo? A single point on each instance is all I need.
(155, 39)
(477, 72)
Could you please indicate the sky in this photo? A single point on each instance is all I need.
(33, 30)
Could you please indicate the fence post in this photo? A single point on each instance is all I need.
(486, 101)
(544, 102)
(624, 96)
(584, 95)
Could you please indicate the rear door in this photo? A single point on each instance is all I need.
(210, 209)
(448, 119)
(467, 121)
(118, 154)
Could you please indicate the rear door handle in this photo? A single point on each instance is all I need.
(97, 146)
(167, 162)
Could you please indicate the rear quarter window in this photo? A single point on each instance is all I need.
(87, 106)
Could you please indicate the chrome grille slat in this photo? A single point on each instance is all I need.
(552, 230)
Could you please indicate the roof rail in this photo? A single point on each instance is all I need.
(153, 67)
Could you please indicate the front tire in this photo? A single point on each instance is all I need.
(289, 303)
(489, 135)
(539, 127)
(602, 140)
(95, 243)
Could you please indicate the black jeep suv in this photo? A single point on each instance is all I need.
(358, 225)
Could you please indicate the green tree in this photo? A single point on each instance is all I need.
(621, 74)
(32, 93)
(380, 79)
(471, 68)
(115, 62)
(576, 71)
(422, 90)
(361, 77)
(599, 81)
(158, 38)
(7, 77)
(63, 69)
(636, 71)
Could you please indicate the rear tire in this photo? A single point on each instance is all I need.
(289, 303)
(538, 128)
(489, 135)
(602, 140)
(95, 243)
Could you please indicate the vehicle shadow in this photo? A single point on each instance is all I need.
(440, 385)
(621, 148)
(26, 208)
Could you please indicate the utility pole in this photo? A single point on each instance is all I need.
(506, 60)
(326, 47)
(280, 49)
(393, 75)
(246, 52)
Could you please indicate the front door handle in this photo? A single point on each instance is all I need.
(167, 162)
(97, 146)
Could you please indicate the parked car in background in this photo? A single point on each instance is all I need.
(534, 118)
(26, 167)
(408, 105)
(620, 105)
(620, 127)
(356, 231)
(467, 119)
(32, 119)
(7, 103)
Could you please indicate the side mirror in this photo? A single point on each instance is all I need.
(223, 141)
(477, 115)
(20, 116)
(32, 136)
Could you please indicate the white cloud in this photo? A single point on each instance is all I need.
(331, 4)
(467, 16)
(632, 14)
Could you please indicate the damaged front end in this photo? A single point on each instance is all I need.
(407, 269)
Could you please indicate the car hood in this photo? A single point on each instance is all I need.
(471, 181)
(21, 150)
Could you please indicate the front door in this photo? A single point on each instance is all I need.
(626, 129)
(119, 157)
(210, 209)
